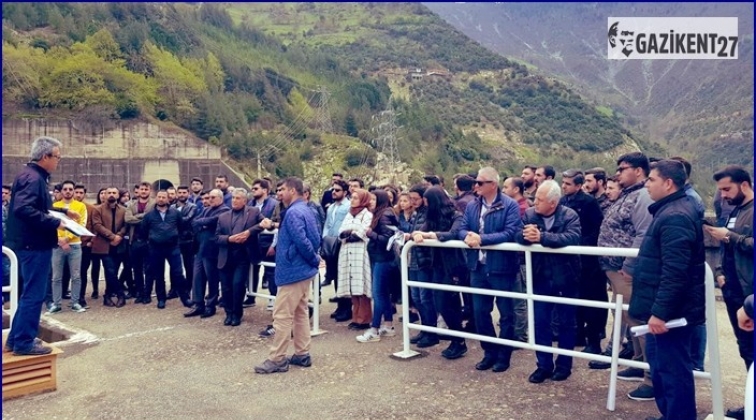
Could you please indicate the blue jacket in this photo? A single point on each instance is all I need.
(502, 223)
(268, 206)
(297, 256)
(204, 226)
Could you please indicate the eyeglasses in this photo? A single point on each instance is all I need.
(479, 183)
(621, 169)
(279, 189)
(255, 188)
(337, 190)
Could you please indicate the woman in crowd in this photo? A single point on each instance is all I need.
(126, 277)
(355, 277)
(124, 197)
(442, 222)
(381, 262)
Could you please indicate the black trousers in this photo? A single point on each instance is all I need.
(733, 298)
(158, 255)
(447, 303)
(138, 253)
(591, 322)
(206, 278)
(233, 284)
(187, 257)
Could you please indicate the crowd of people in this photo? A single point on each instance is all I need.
(215, 241)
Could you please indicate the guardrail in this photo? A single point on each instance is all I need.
(714, 375)
(13, 288)
(314, 292)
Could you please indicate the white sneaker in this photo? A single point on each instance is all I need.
(387, 332)
(54, 309)
(269, 308)
(77, 308)
(369, 336)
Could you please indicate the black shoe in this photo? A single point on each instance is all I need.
(249, 302)
(161, 304)
(415, 339)
(455, 350)
(335, 314)
(303, 360)
(172, 295)
(500, 366)
(196, 311)
(121, 302)
(358, 327)
(227, 321)
(626, 353)
(107, 301)
(36, 350)
(235, 322)
(209, 311)
(83, 303)
(128, 295)
(560, 374)
(334, 299)
(539, 376)
(736, 413)
(325, 283)
(344, 316)
(146, 300)
(186, 302)
(95, 295)
(592, 349)
(428, 340)
(486, 363)
(595, 364)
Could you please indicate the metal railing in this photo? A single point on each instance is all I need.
(13, 288)
(714, 375)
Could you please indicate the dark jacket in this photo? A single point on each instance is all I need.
(204, 227)
(461, 201)
(591, 216)
(740, 248)
(452, 259)
(555, 272)
(162, 232)
(137, 230)
(502, 224)
(268, 206)
(420, 257)
(379, 237)
(669, 276)
(319, 213)
(327, 198)
(299, 239)
(188, 213)
(249, 250)
(29, 225)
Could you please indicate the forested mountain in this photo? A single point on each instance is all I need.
(702, 109)
(301, 85)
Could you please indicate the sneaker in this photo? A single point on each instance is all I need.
(54, 309)
(631, 374)
(269, 307)
(303, 360)
(269, 366)
(78, 308)
(268, 331)
(35, 350)
(83, 304)
(387, 332)
(642, 393)
(249, 302)
(369, 336)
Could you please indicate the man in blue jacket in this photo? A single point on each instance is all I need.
(492, 218)
(668, 284)
(297, 262)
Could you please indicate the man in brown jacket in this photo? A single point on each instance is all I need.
(110, 225)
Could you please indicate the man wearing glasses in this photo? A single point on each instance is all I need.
(624, 226)
(492, 218)
(335, 214)
(267, 205)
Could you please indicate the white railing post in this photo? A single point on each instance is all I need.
(315, 330)
(717, 400)
(13, 288)
(529, 290)
(406, 352)
(611, 399)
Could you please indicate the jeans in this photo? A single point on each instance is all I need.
(483, 306)
(381, 293)
(698, 346)
(544, 313)
(448, 303)
(35, 267)
(59, 259)
(669, 356)
(113, 287)
(521, 306)
(158, 254)
(233, 283)
(423, 298)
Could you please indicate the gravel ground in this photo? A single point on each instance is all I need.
(144, 363)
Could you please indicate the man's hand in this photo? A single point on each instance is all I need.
(63, 244)
(266, 223)
(720, 281)
(717, 233)
(73, 215)
(623, 274)
(656, 325)
(271, 252)
(472, 240)
(532, 234)
(417, 237)
(116, 241)
(744, 322)
(239, 238)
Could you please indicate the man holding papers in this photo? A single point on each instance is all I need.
(669, 284)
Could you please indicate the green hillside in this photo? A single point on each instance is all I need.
(297, 85)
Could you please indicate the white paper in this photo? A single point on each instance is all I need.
(71, 225)
(643, 329)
